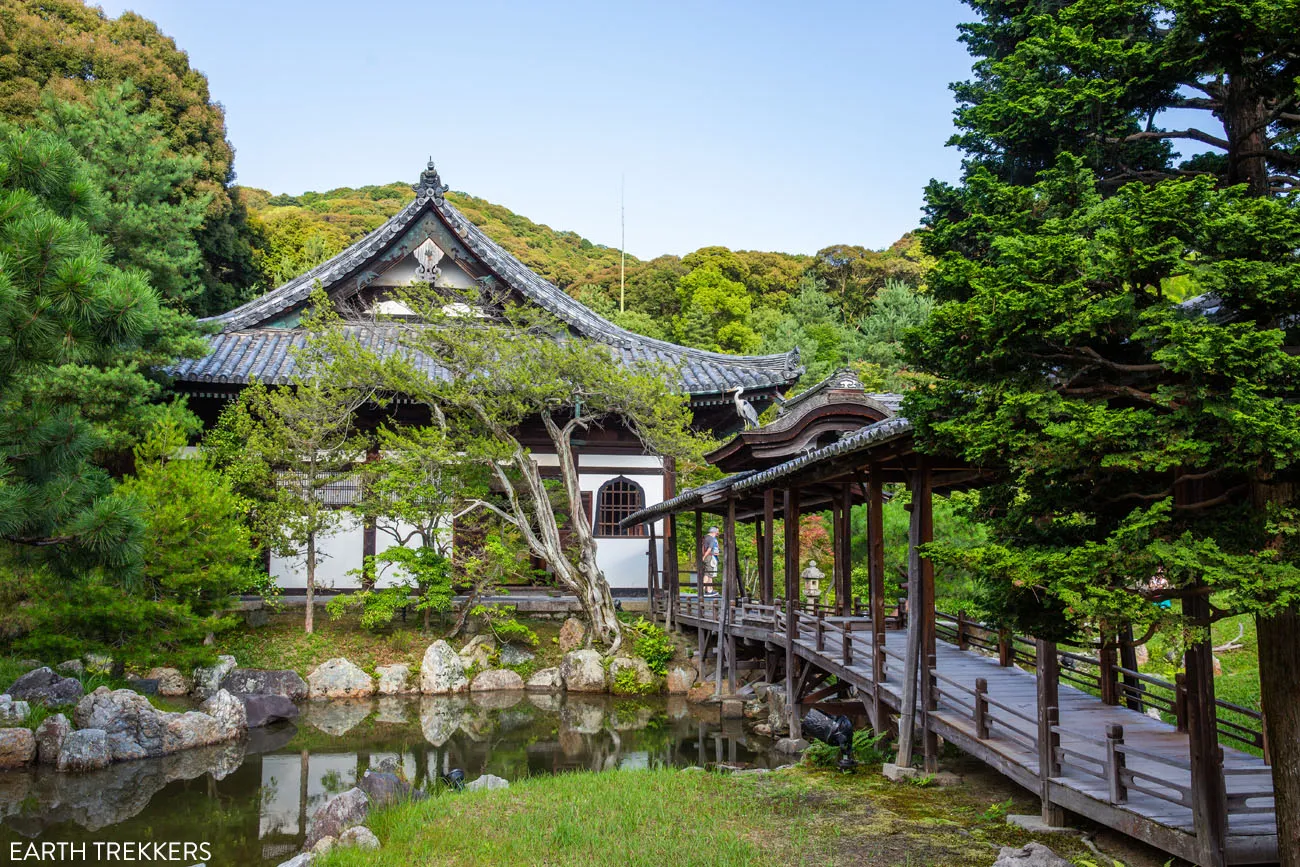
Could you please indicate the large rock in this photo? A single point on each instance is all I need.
(359, 836)
(261, 710)
(777, 716)
(208, 680)
(49, 738)
(85, 750)
(512, 655)
(582, 671)
(477, 653)
(394, 679)
(17, 748)
(573, 635)
(545, 680)
(680, 679)
(487, 781)
(136, 730)
(229, 713)
(303, 859)
(13, 711)
(45, 686)
(1029, 855)
(338, 678)
(645, 680)
(265, 681)
(71, 667)
(385, 789)
(497, 678)
(339, 813)
(441, 670)
(701, 692)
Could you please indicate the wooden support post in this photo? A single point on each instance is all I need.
(1115, 764)
(1107, 677)
(844, 551)
(699, 558)
(1180, 702)
(981, 708)
(723, 612)
(768, 591)
(1129, 661)
(848, 643)
(731, 571)
(916, 649)
(1048, 677)
(820, 633)
(791, 601)
(652, 578)
(1209, 798)
(673, 576)
(923, 499)
(1006, 648)
(876, 591)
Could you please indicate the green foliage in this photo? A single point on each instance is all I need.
(1065, 364)
(73, 53)
(626, 682)
(501, 620)
(149, 219)
(377, 607)
(76, 335)
(651, 643)
(284, 449)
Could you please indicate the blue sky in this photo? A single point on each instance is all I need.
(752, 125)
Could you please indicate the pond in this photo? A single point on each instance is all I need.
(250, 801)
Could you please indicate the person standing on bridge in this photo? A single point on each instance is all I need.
(709, 551)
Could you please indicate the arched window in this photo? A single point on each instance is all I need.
(615, 500)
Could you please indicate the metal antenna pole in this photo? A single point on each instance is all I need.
(622, 247)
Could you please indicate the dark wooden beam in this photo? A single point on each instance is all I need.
(791, 596)
(769, 547)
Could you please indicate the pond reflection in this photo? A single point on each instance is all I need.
(251, 801)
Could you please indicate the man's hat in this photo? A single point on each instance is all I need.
(713, 529)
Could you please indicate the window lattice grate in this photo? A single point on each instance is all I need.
(615, 500)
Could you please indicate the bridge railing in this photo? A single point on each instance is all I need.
(1113, 683)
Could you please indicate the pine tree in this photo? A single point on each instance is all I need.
(75, 335)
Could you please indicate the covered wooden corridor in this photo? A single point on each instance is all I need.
(1070, 724)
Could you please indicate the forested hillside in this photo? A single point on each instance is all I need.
(843, 305)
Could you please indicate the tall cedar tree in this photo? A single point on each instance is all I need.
(498, 373)
(1134, 435)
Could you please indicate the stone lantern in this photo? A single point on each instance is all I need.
(812, 581)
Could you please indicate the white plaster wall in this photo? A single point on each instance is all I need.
(336, 553)
(392, 575)
(625, 560)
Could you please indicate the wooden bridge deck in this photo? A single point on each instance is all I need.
(1154, 804)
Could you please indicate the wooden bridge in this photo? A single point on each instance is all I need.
(1073, 729)
(1071, 726)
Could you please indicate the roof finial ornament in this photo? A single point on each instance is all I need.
(430, 185)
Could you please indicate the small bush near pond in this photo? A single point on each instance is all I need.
(651, 643)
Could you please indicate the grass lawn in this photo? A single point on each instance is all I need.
(658, 817)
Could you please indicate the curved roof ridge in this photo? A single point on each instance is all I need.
(550, 296)
(429, 193)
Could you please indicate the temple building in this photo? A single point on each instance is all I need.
(430, 241)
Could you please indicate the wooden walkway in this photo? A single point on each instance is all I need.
(1116, 766)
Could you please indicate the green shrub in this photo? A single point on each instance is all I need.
(627, 683)
(651, 644)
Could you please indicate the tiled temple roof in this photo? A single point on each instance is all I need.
(247, 348)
